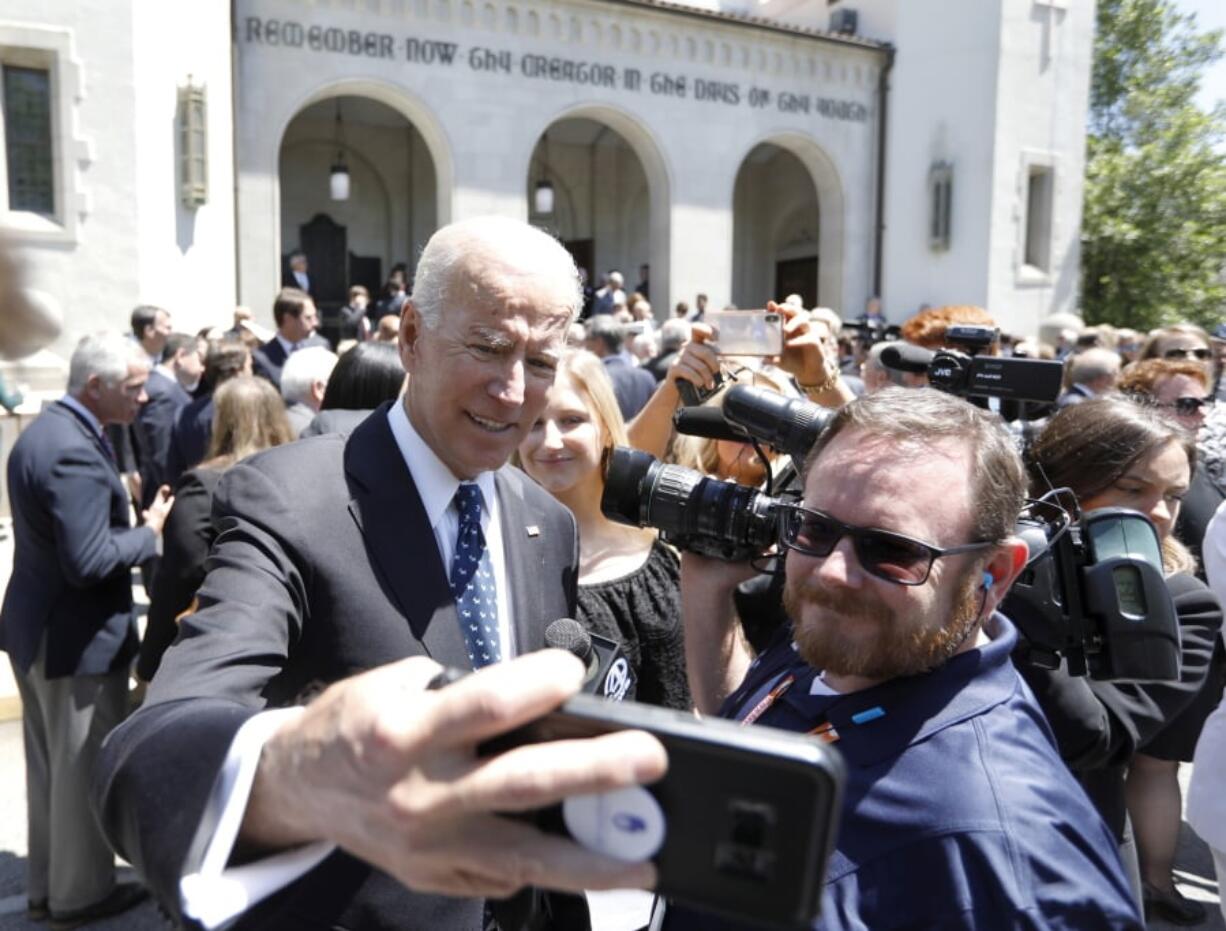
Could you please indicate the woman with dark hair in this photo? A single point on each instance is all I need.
(248, 416)
(1114, 453)
(364, 377)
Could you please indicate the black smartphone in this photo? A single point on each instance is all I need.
(741, 825)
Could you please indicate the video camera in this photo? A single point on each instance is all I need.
(969, 374)
(869, 332)
(695, 512)
(1093, 592)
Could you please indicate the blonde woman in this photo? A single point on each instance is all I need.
(628, 580)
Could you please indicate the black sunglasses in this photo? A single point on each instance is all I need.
(886, 555)
(1190, 406)
(1202, 354)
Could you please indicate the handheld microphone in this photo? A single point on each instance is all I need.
(789, 424)
(707, 422)
(608, 670)
(903, 357)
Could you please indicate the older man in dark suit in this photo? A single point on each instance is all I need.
(417, 546)
(296, 318)
(67, 620)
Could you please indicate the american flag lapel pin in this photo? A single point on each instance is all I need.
(534, 530)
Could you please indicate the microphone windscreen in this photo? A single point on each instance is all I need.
(904, 357)
(568, 634)
(707, 422)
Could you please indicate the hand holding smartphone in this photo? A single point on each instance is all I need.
(742, 824)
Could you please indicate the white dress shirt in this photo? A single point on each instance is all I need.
(1206, 808)
(217, 893)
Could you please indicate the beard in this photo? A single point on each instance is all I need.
(856, 634)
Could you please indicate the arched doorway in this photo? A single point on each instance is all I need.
(787, 231)
(391, 209)
(610, 198)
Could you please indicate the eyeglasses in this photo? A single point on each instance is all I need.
(1201, 353)
(891, 557)
(1189, 406)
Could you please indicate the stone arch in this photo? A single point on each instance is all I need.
(411, 107)
(650, 154)
(831, 201)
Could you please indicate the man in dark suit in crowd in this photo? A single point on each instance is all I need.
(632, 385)
(296, 273)
(67, 621)
(417, 546)
(193, 427)
(1091, 372)
(395, 293)
(169, 389)
(296, 318)
(644, 285)
(150, 329)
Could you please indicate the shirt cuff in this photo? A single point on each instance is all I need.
(216, 894)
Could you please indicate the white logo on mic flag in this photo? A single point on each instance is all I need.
(617, 682)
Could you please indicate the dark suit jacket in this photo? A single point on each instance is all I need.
(289, 281)
(335, 420)
(304, 590)
(153, 428)
(73, 551)
(1075, 395)
(189, 438)
(186, 540)
(632, 386)
(268, 360)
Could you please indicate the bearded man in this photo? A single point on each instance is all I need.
(958, 812)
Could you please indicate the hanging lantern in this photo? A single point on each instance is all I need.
(338, 180)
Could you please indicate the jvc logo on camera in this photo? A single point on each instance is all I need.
(617, 682)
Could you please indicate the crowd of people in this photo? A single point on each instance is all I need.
(320, 531)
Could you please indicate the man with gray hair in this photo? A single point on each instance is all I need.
(1090, 373)
(303, 382)
(419, 548)
(67, 621)
(875, 373)
(673, 334)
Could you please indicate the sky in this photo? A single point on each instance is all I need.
(1210, 14)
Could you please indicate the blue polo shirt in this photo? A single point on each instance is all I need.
(958, 812)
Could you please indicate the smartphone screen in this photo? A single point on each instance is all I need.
(747, 332)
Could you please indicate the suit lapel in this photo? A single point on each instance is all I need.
(399, 540)
(524, 552)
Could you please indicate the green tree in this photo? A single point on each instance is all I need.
(1154, 224)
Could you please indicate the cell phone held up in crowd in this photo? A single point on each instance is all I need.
(741, 825)
(747, 332)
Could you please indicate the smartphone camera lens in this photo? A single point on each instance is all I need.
(745, 853)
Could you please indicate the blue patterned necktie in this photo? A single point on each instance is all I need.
(472, 582)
